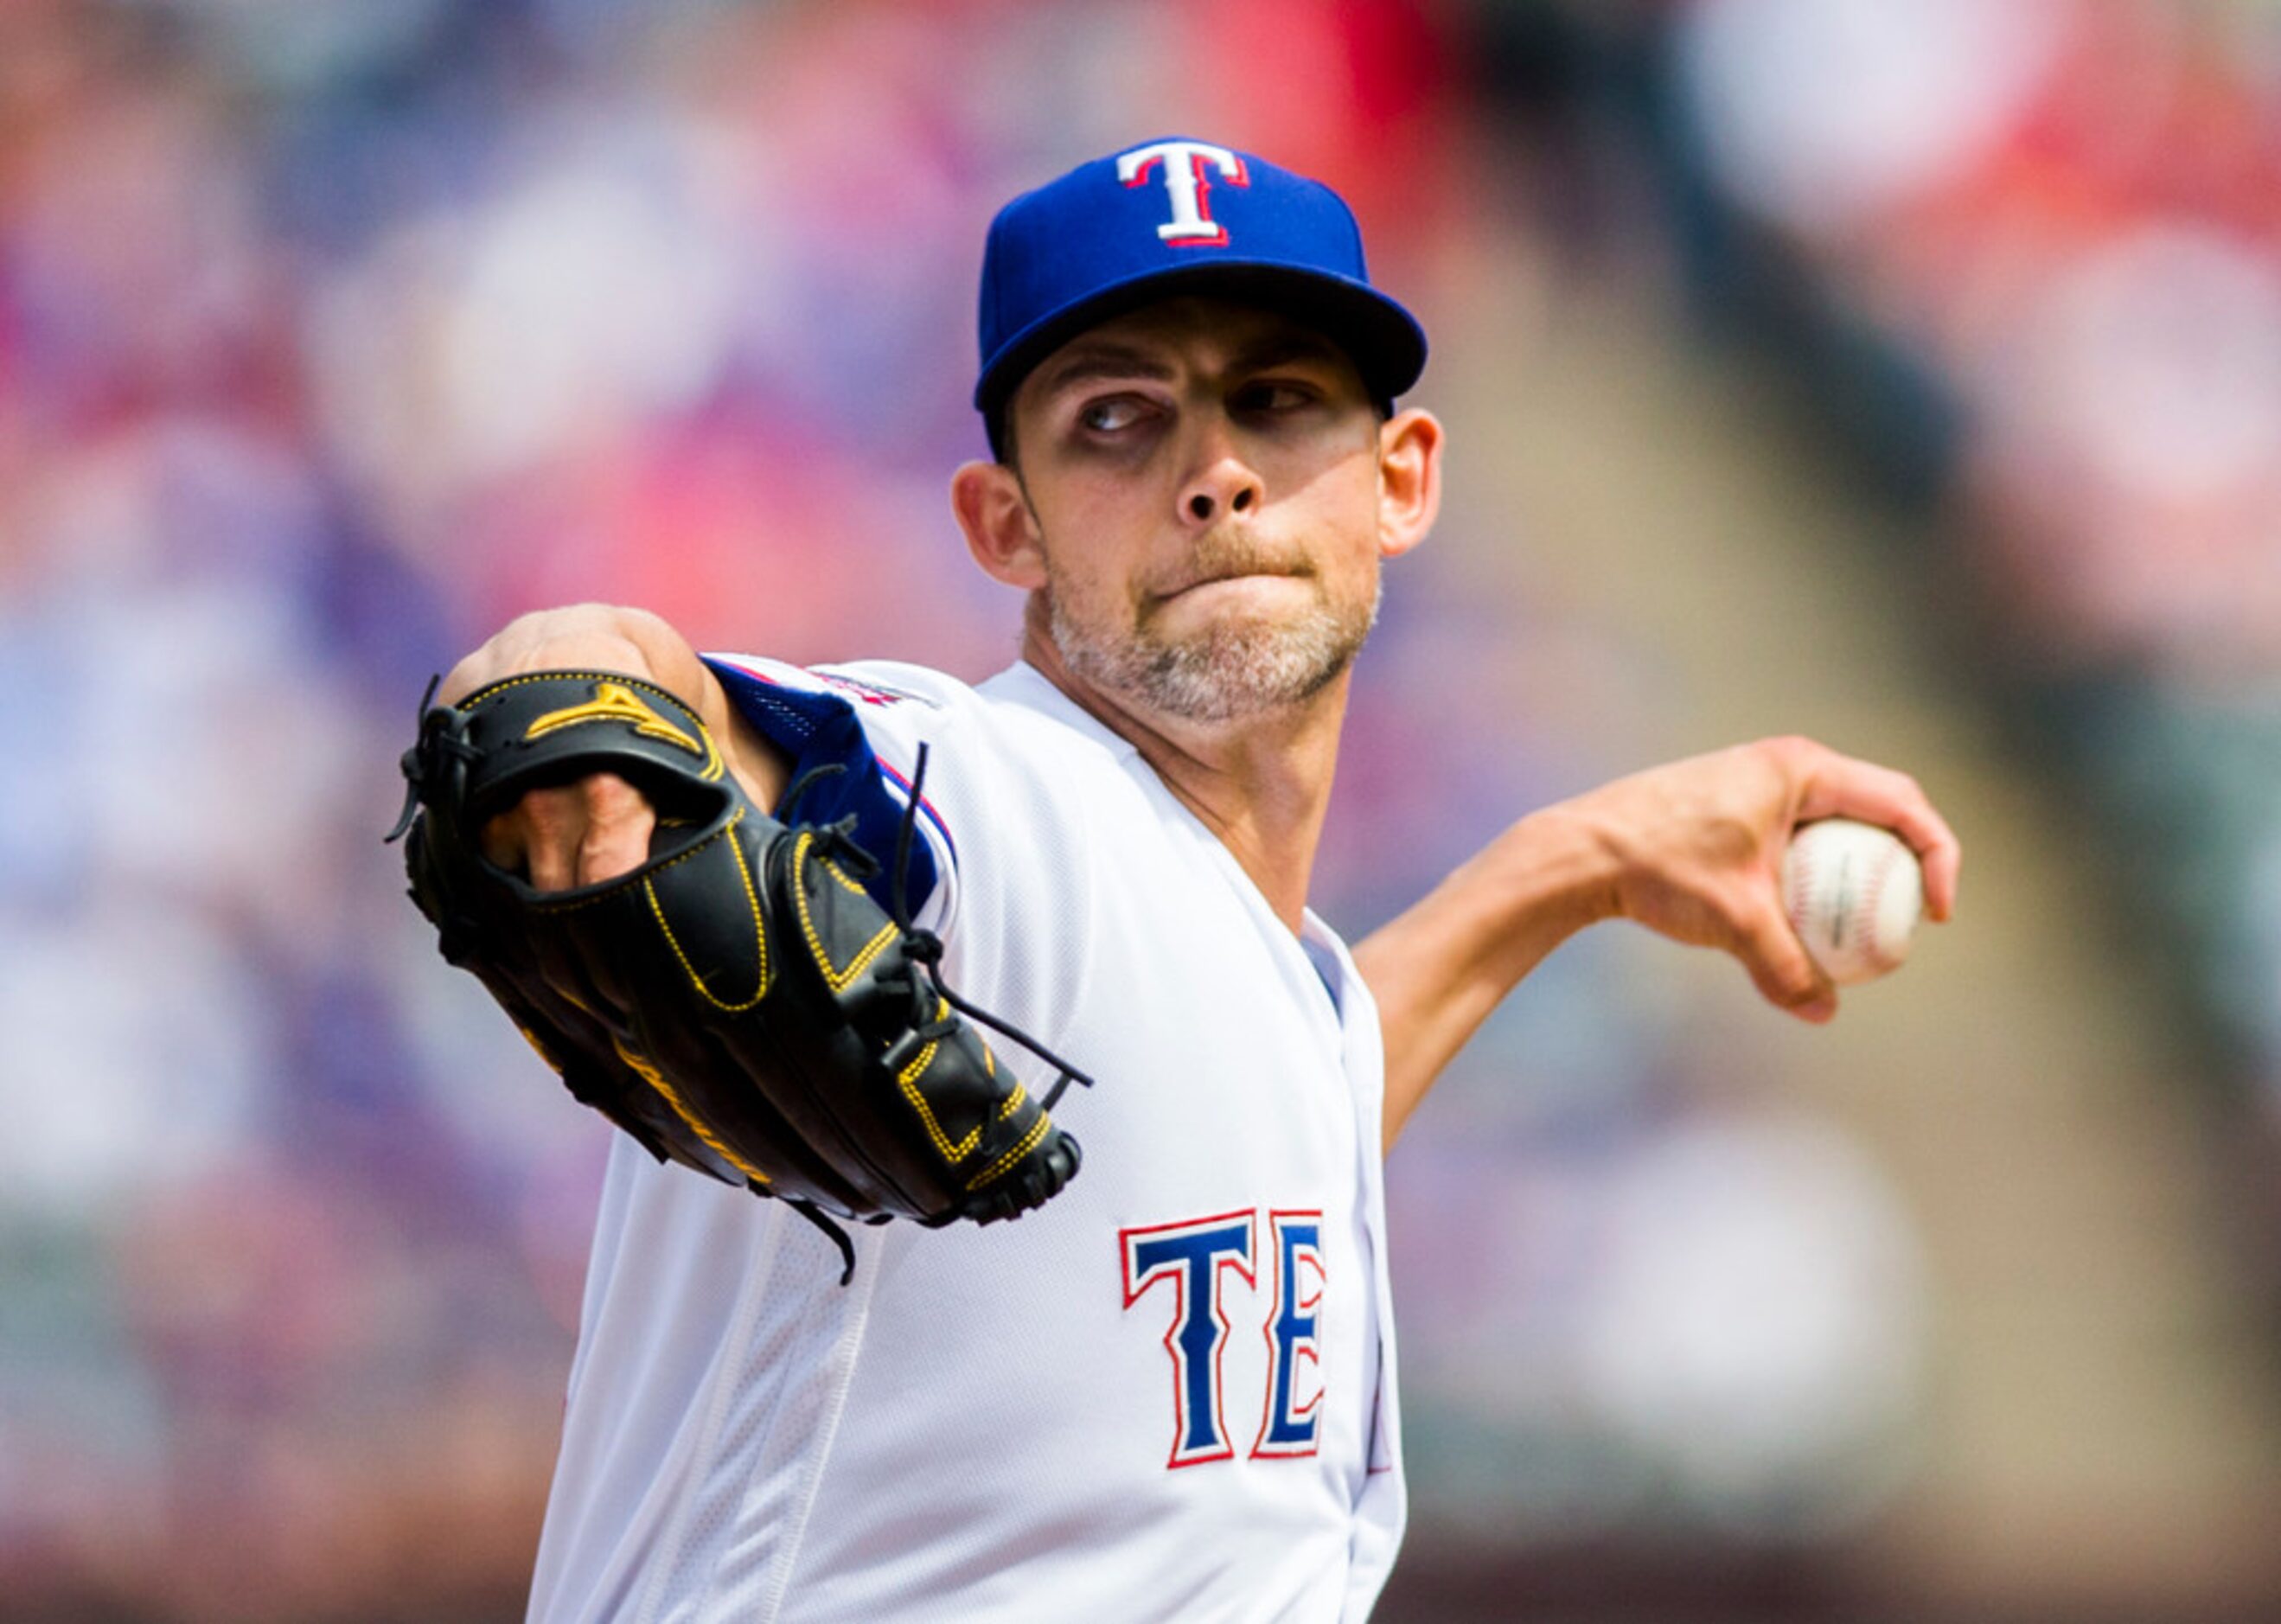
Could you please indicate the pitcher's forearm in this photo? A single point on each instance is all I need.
(1692, 850)
(1439, 969)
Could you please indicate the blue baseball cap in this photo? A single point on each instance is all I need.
(1171, 217)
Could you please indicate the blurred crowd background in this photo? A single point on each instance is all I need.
(1908, 371)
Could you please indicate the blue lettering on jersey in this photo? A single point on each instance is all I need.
(1293, 1422)
(1192, 1255)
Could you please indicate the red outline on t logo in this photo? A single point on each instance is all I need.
(1188, 185)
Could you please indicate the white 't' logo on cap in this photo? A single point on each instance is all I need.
(1192, 225)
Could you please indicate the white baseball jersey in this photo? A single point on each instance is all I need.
(1167, 1394)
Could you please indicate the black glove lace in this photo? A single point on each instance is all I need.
(435, 734)
(918, 949)
(838, 1236)
(925, 947)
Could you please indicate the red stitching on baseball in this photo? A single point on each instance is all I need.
(1864, 912)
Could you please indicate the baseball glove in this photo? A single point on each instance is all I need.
(738, 1004)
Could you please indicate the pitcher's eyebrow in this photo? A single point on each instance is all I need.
(1284, 348)
(1102, 360)
(1096, 360)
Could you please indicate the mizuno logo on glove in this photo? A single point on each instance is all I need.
(613, 702)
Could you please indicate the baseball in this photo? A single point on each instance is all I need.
(1854, 895)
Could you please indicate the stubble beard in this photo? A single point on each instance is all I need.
(1229, 670)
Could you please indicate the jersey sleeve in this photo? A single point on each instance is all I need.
(827, 719)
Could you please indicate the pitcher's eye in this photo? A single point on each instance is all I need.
(1111, 414)
(1271, 397)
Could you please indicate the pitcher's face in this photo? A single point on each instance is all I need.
(1206, 484)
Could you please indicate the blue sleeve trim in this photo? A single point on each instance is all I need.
(814, 729)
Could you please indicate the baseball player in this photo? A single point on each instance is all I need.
(1168, 1392)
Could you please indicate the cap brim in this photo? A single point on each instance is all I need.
(1384, 340)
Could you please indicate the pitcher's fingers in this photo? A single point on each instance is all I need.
(553, 823)
(1842, 786)
(1942, 858)
(501, 841)
(553, 860)
(1784, 972)
(619, 822)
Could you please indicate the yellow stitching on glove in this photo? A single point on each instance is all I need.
(531, 1038)
(837, 977)
(614, 701)
(998, 1168)
(610, 888)
(714, 765)
(832, 868)
(655, 1078)
(759, 929)
(908, 1080)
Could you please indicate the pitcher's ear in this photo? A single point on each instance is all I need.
(1409, 479)
(1001, 530)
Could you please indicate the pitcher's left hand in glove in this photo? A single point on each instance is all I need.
(738, 1002)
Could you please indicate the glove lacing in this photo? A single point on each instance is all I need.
(915, 949)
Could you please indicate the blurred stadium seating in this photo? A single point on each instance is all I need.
(1906, 371)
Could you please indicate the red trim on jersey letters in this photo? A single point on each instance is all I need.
(1293, 1333)
(1199, 1430)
